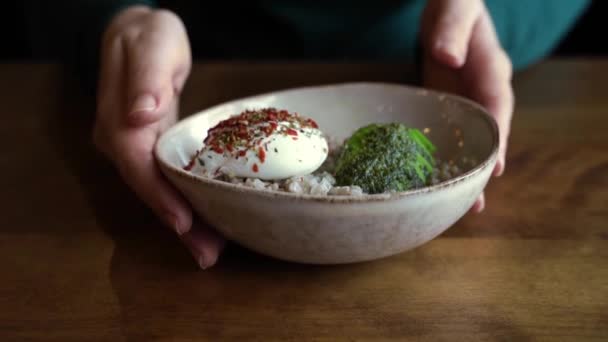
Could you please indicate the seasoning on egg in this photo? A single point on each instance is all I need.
(244, 132)
(241, 145)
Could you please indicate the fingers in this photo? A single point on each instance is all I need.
(145, 63)
(130, 145)
(204, 244)
(157, 70)
(111, 75)
(137, 166)
(479, 205)
(488, 73)
(463, 55)
(146, 60)
(449, 25)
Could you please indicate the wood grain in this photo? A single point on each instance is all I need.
(84, 260)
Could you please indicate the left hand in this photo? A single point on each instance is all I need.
(462, 55)
(145, 60)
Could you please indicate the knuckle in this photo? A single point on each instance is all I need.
(505, 64)
(511, 96)
(111, 41)
(494, 97)
(131, 34)
(125, 165)
(460, 12)
(166, 15)
(475, 7)
(119, 27)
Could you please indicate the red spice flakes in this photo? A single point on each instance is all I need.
(312, 123)
(242, 133)
(190, 164)
(261, 154)
(255, 168)
(242, 153)
(247, 130)
(192, 161)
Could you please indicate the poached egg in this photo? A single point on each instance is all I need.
(268, 144)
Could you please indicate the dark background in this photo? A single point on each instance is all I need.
(583, 40)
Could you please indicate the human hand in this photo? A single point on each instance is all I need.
(462, 54)
(145, 61)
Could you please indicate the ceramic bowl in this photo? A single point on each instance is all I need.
(340, 229)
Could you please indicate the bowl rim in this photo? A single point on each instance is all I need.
(237, 188)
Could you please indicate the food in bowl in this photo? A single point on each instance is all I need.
(382, 158)
(341, 229)
(273, 149)
(267, 144)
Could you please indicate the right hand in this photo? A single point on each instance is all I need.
(463, 55)
(145, 61)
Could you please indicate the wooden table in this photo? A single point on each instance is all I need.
(83, 260)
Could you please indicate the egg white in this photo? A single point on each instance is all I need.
(285, 156)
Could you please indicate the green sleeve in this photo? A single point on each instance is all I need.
(530, 30)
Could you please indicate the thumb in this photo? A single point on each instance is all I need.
(156, 73)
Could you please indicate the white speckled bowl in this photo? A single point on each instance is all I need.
(334, 229)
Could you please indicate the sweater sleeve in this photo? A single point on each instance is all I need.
(530, 30)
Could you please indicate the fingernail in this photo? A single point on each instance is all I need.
(197, 251)
(143, 103)
(179, 227)
(202, 261)
(176, 224)
(448, 52)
